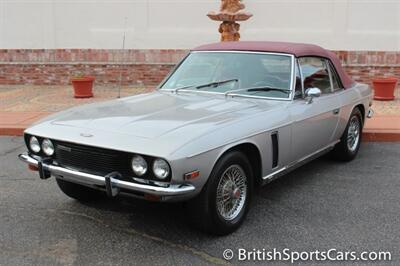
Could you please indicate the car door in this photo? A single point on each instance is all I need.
(313, 122)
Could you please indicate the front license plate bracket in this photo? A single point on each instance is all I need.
(43, 173)
(111, 190)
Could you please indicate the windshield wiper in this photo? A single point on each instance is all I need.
(216, 83)
(268, 89)
(211, 84)
(255, 89)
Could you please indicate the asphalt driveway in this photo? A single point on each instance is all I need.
(322, 205)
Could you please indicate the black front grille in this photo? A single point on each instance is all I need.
(92, 159)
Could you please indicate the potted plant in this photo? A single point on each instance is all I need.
(83, 85)
(384, 88)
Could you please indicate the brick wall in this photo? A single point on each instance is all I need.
(60, 74)
(362, 66)
(147, 67)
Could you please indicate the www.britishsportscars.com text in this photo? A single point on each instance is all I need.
(293, 256)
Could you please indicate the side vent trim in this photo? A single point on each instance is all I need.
(275, 149)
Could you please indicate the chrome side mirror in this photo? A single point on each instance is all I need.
(312, 93)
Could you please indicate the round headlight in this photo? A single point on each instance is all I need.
(48, 147)
(139, 165)
(161, 168)
(34, 144)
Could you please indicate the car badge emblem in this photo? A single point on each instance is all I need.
(86, 135)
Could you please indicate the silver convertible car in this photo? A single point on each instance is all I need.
(229, 117)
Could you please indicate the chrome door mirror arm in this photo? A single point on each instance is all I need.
(311, 93)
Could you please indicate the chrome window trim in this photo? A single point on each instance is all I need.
(242, 52)
(333, 72)
(237, 95)
(293, 81)
(166, 78)
(303, 93)
(291, 86)
(329, 73)
(328, 69)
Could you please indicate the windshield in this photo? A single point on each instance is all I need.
(224, 72)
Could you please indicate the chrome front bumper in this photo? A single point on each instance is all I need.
(111, 185)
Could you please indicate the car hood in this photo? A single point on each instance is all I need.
(154, 115)
(154, 123)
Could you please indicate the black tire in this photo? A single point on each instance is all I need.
(203, 209)
(342, 151)
(78, 192)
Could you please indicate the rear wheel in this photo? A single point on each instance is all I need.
(347, 148)
(78, 192)
(224, 201)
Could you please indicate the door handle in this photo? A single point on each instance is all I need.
(336, 111)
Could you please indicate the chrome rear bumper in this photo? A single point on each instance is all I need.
(111, 185)
(370, 113)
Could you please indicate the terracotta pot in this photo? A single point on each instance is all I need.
(83, 86)
(384, 88)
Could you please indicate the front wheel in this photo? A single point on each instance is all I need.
(224, 201)
(347, 148)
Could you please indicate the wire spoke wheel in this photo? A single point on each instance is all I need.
(353, 134)
(231, 192)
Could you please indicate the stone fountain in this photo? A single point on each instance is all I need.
(230, 12)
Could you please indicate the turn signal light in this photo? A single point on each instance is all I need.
(33, 167)
(151, 197)
(191, 175)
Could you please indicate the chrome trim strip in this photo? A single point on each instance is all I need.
(195, 91)
(314, 153)
(229, 95)
(303, 95)
(327, 65)
(258, 97)
(304, 159)
(293, 79)
(275, 173)
(90, 179)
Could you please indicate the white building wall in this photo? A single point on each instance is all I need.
(334, 24)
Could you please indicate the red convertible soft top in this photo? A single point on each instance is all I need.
(296, 49)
